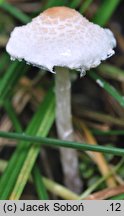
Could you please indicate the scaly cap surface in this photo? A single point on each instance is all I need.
(61, 36)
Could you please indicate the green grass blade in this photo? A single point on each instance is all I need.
(51, 186)
(62, 143)
(7, 77)
(85, 6)
(43, 119)
(12, 115)
(102, 16)
(20, 152)
(118, 197)
(105, 11)
(3, 62)
(74, 3)
(101, 180)
(59, 190)
(32, 153)
(11, 77)
(108, 133)
(52, 3)
(111, 72)
(18, 14)
(39, 184)
(109, 88)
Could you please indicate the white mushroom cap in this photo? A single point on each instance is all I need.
(61, 36)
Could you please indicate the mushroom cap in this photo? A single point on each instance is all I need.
(61, 36)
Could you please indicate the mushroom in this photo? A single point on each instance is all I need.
(57, 40)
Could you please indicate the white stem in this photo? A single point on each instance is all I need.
(69, 157)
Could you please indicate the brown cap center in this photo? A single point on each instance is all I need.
(60, 12)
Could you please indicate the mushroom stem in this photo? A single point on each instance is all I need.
(69, 158)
